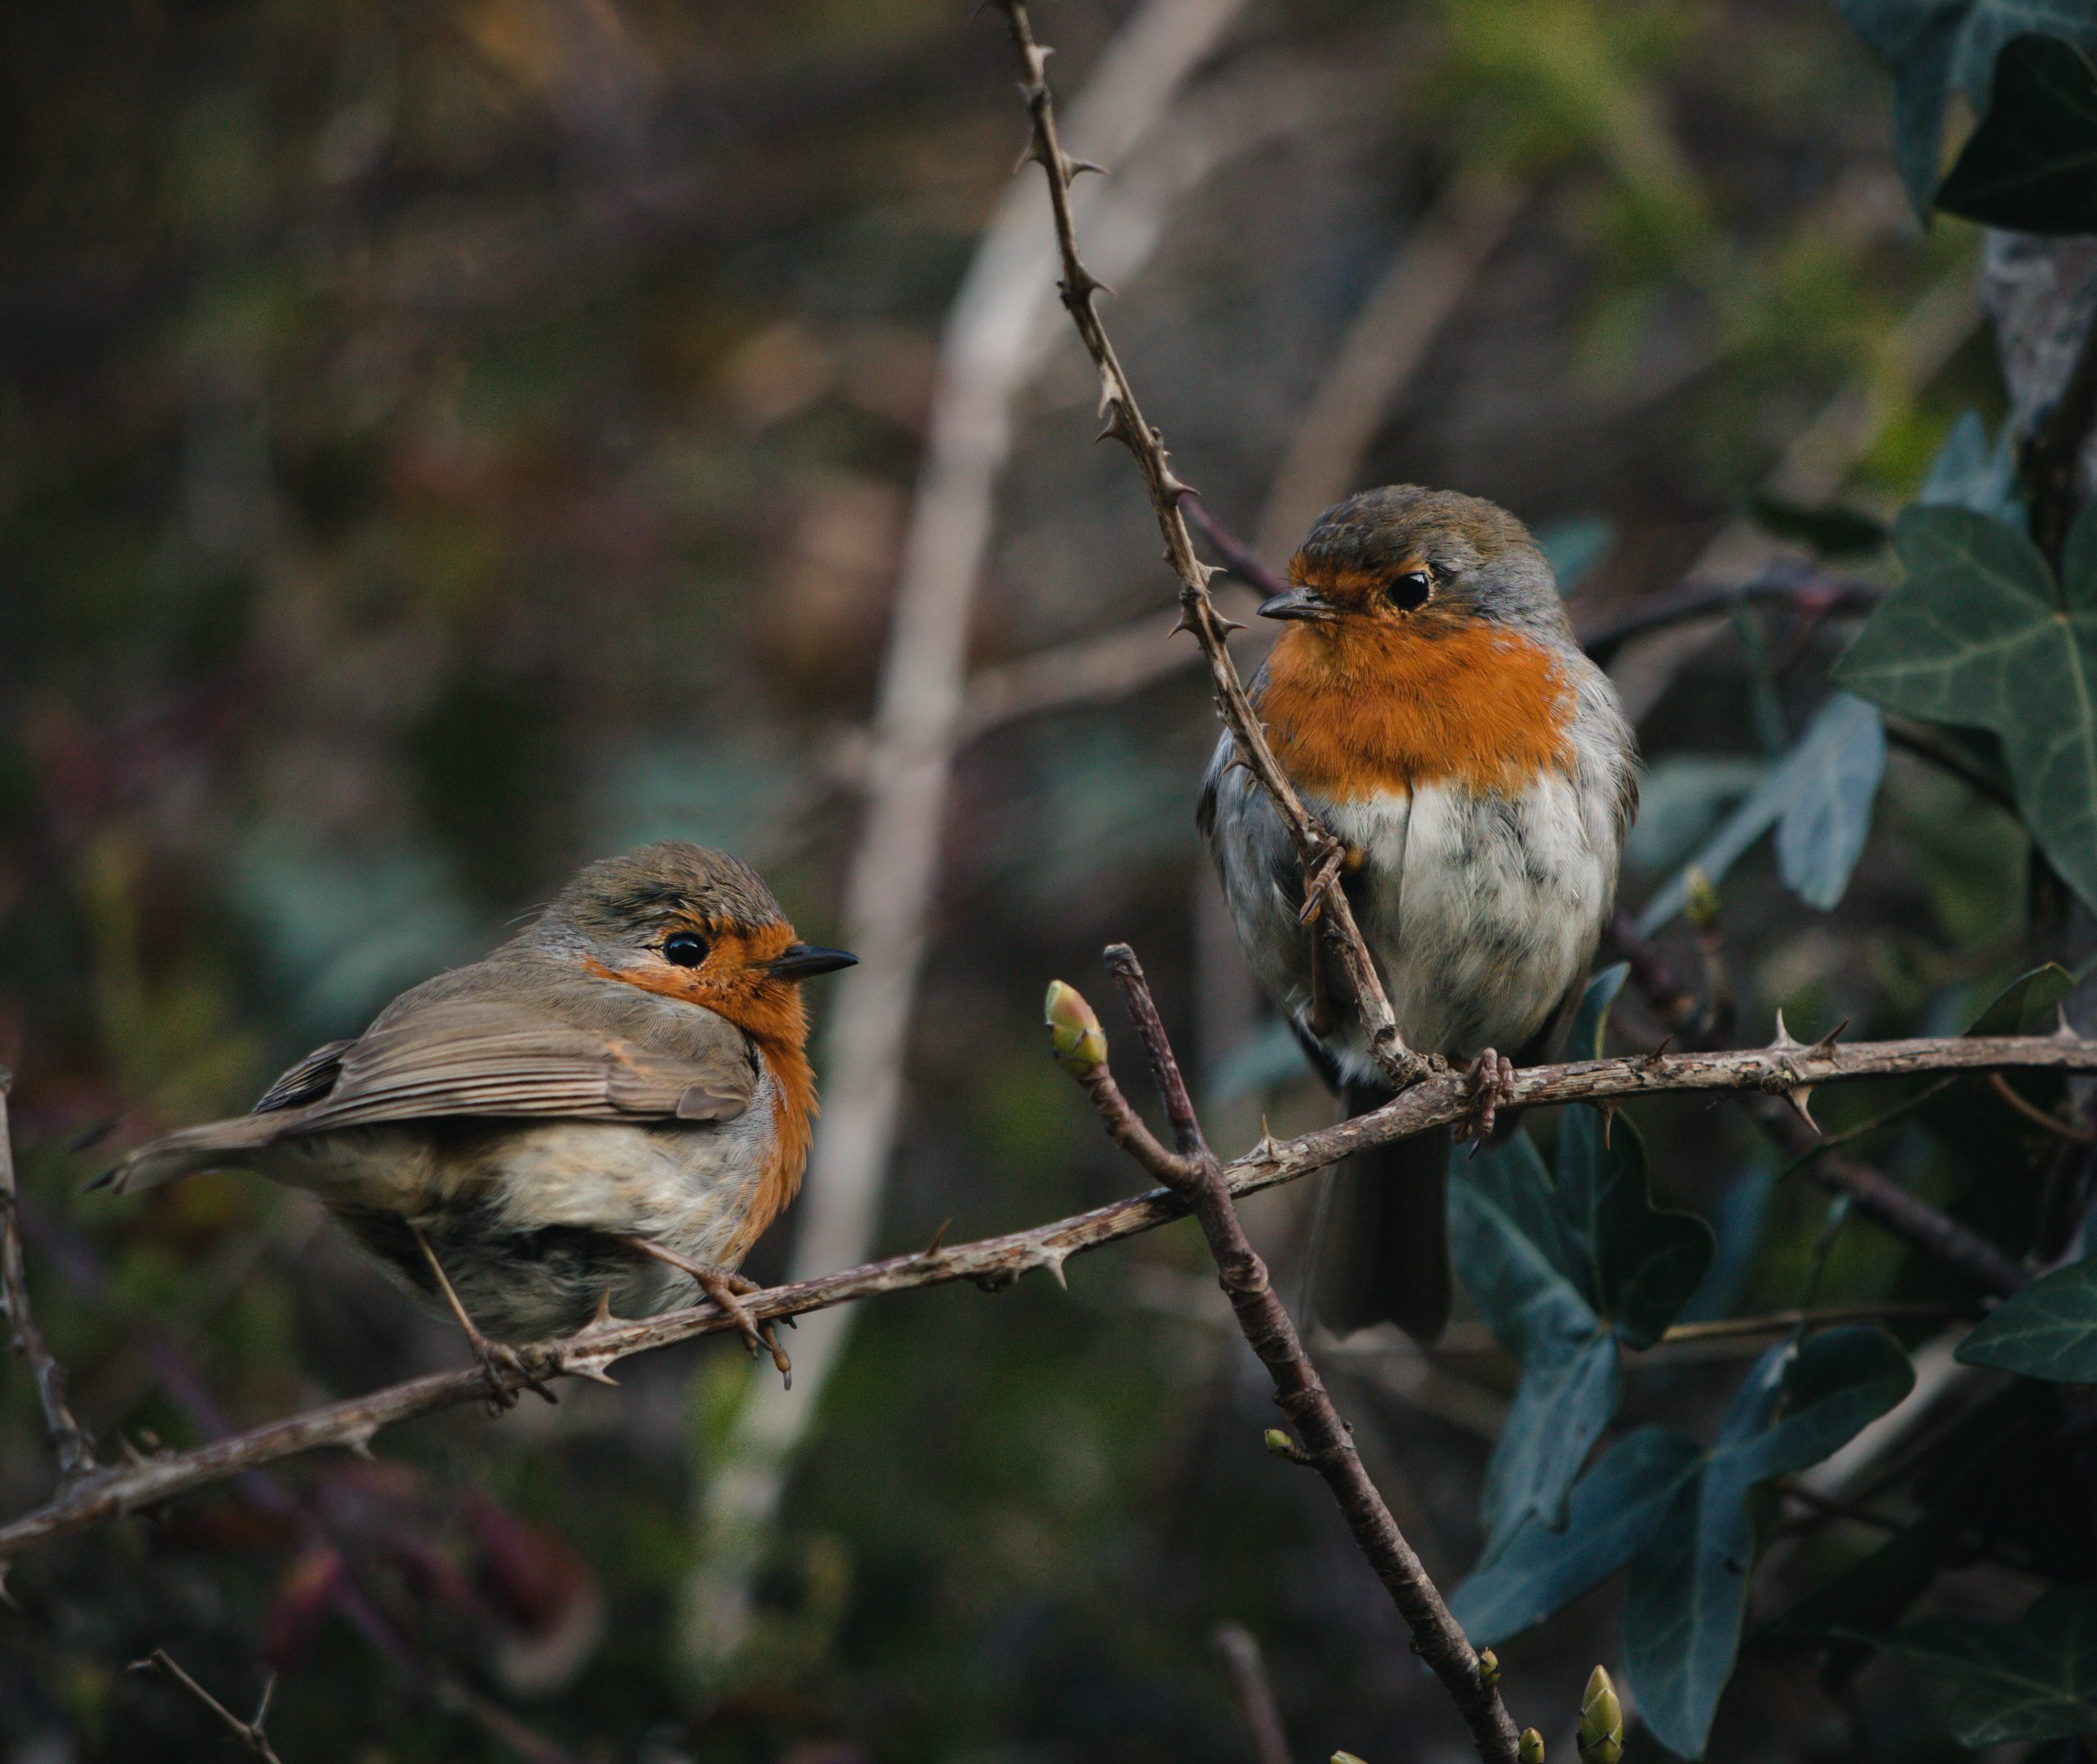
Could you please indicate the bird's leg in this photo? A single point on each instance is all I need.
(499, 1361)
(1492, 1086)
(725, 1288)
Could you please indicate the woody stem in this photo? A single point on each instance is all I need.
(1327, 1443)
(1126, 424)
(71, 1443)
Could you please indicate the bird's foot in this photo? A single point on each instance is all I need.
(503, 1371)
(504, 1377)
(1490, 1087)
(726, 1287)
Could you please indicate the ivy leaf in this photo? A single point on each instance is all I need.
(1687, 1595)
(2031, 165)
(1615, 1509)
(1934, 47)
(1980, 636)
(2036, 1679)
(2047, 1331)
(1679, 1515)
(1828, 779)
(1825, 825)
(1564, 1272)
(1591, 1021)
(1969, 473)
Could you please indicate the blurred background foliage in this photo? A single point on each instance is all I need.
(439, 445)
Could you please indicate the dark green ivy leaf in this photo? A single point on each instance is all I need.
(2047, 1331)
(1563, 1273)
(1936, 47)
(1981, 636)
(2036, 1679)
(1687, 1596)
(1615, 1509)
(2031, 165)
(1679, 1515)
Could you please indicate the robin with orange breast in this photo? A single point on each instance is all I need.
(1430, 704)
(611, 1107)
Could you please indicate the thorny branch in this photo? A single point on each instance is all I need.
(1327, 1444)
(1442, 1099)
(70, 1441)
(1786, 1120)
(248, 1735)
(1314, 846)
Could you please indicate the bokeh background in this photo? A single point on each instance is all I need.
(442, 444)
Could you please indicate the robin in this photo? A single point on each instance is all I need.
(610, 1108)
(1428, 701)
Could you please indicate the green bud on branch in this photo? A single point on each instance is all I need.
(1529, 1747)
(1074, 1031)
(1699, 903)
(1488, 1668)
(1282, 1446)
(1601, 1721)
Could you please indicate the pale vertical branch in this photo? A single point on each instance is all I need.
(1256, 1695)
(993, 342)
(1383, 347)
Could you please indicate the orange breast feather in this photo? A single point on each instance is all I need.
(1356, 710)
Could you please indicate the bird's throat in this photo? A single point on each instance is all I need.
(1356, 709)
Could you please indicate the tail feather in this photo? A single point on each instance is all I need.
(1381, 1252)
(185, 1153)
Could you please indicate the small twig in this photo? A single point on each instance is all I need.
(1662, 988)
(1125, 423)
(1913, 740)
(1256, 1696)
(1239, 558)
(1782, 1322)
(1875, 1195)
(2053, 1124)
(1810, 592)
(248, 1735)
(1302, 1396)
(70, 1441)
(1880, 1198)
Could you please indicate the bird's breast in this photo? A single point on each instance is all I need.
(1354, 713)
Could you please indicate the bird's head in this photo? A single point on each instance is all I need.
(1408, 561)
(693, 924)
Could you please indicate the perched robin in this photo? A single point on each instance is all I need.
(611, 1106)
(1429, 702)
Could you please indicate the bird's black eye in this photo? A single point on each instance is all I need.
(684, 949)
(1410, 589)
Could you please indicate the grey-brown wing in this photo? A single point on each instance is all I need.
(464, 1058)
(307, 1081)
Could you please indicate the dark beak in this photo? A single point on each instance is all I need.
(1298, 603)
(803, 962)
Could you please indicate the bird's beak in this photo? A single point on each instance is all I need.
(802, 961)
(1298, 603)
